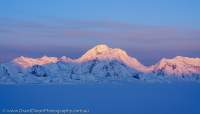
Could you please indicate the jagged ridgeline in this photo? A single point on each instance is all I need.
(99, 64)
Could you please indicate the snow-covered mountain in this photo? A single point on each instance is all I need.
(103, 52)
(98, 64)
(178, 66)
(26, 62)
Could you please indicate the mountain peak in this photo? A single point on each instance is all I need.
(99, 49)
(181, 59)
(100, 62)
(28, 62)
(102, 45)
(102, 51)
(179, 66)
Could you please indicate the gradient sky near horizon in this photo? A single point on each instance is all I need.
(147, 30)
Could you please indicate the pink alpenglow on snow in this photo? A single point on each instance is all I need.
(98, 64)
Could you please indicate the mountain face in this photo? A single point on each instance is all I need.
(99, 64)
(178, 66)
(28, 62)
(103, 52)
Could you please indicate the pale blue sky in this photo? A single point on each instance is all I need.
(159, 28)
(157, 12)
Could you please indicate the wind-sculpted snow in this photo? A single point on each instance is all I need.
(99, 64)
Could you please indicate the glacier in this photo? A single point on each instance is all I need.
(98, 65)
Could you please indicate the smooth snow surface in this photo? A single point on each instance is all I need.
(134, 98)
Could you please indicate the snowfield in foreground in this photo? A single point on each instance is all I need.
(130, 98)
(100, 64)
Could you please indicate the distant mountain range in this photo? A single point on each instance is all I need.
(99, 64)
